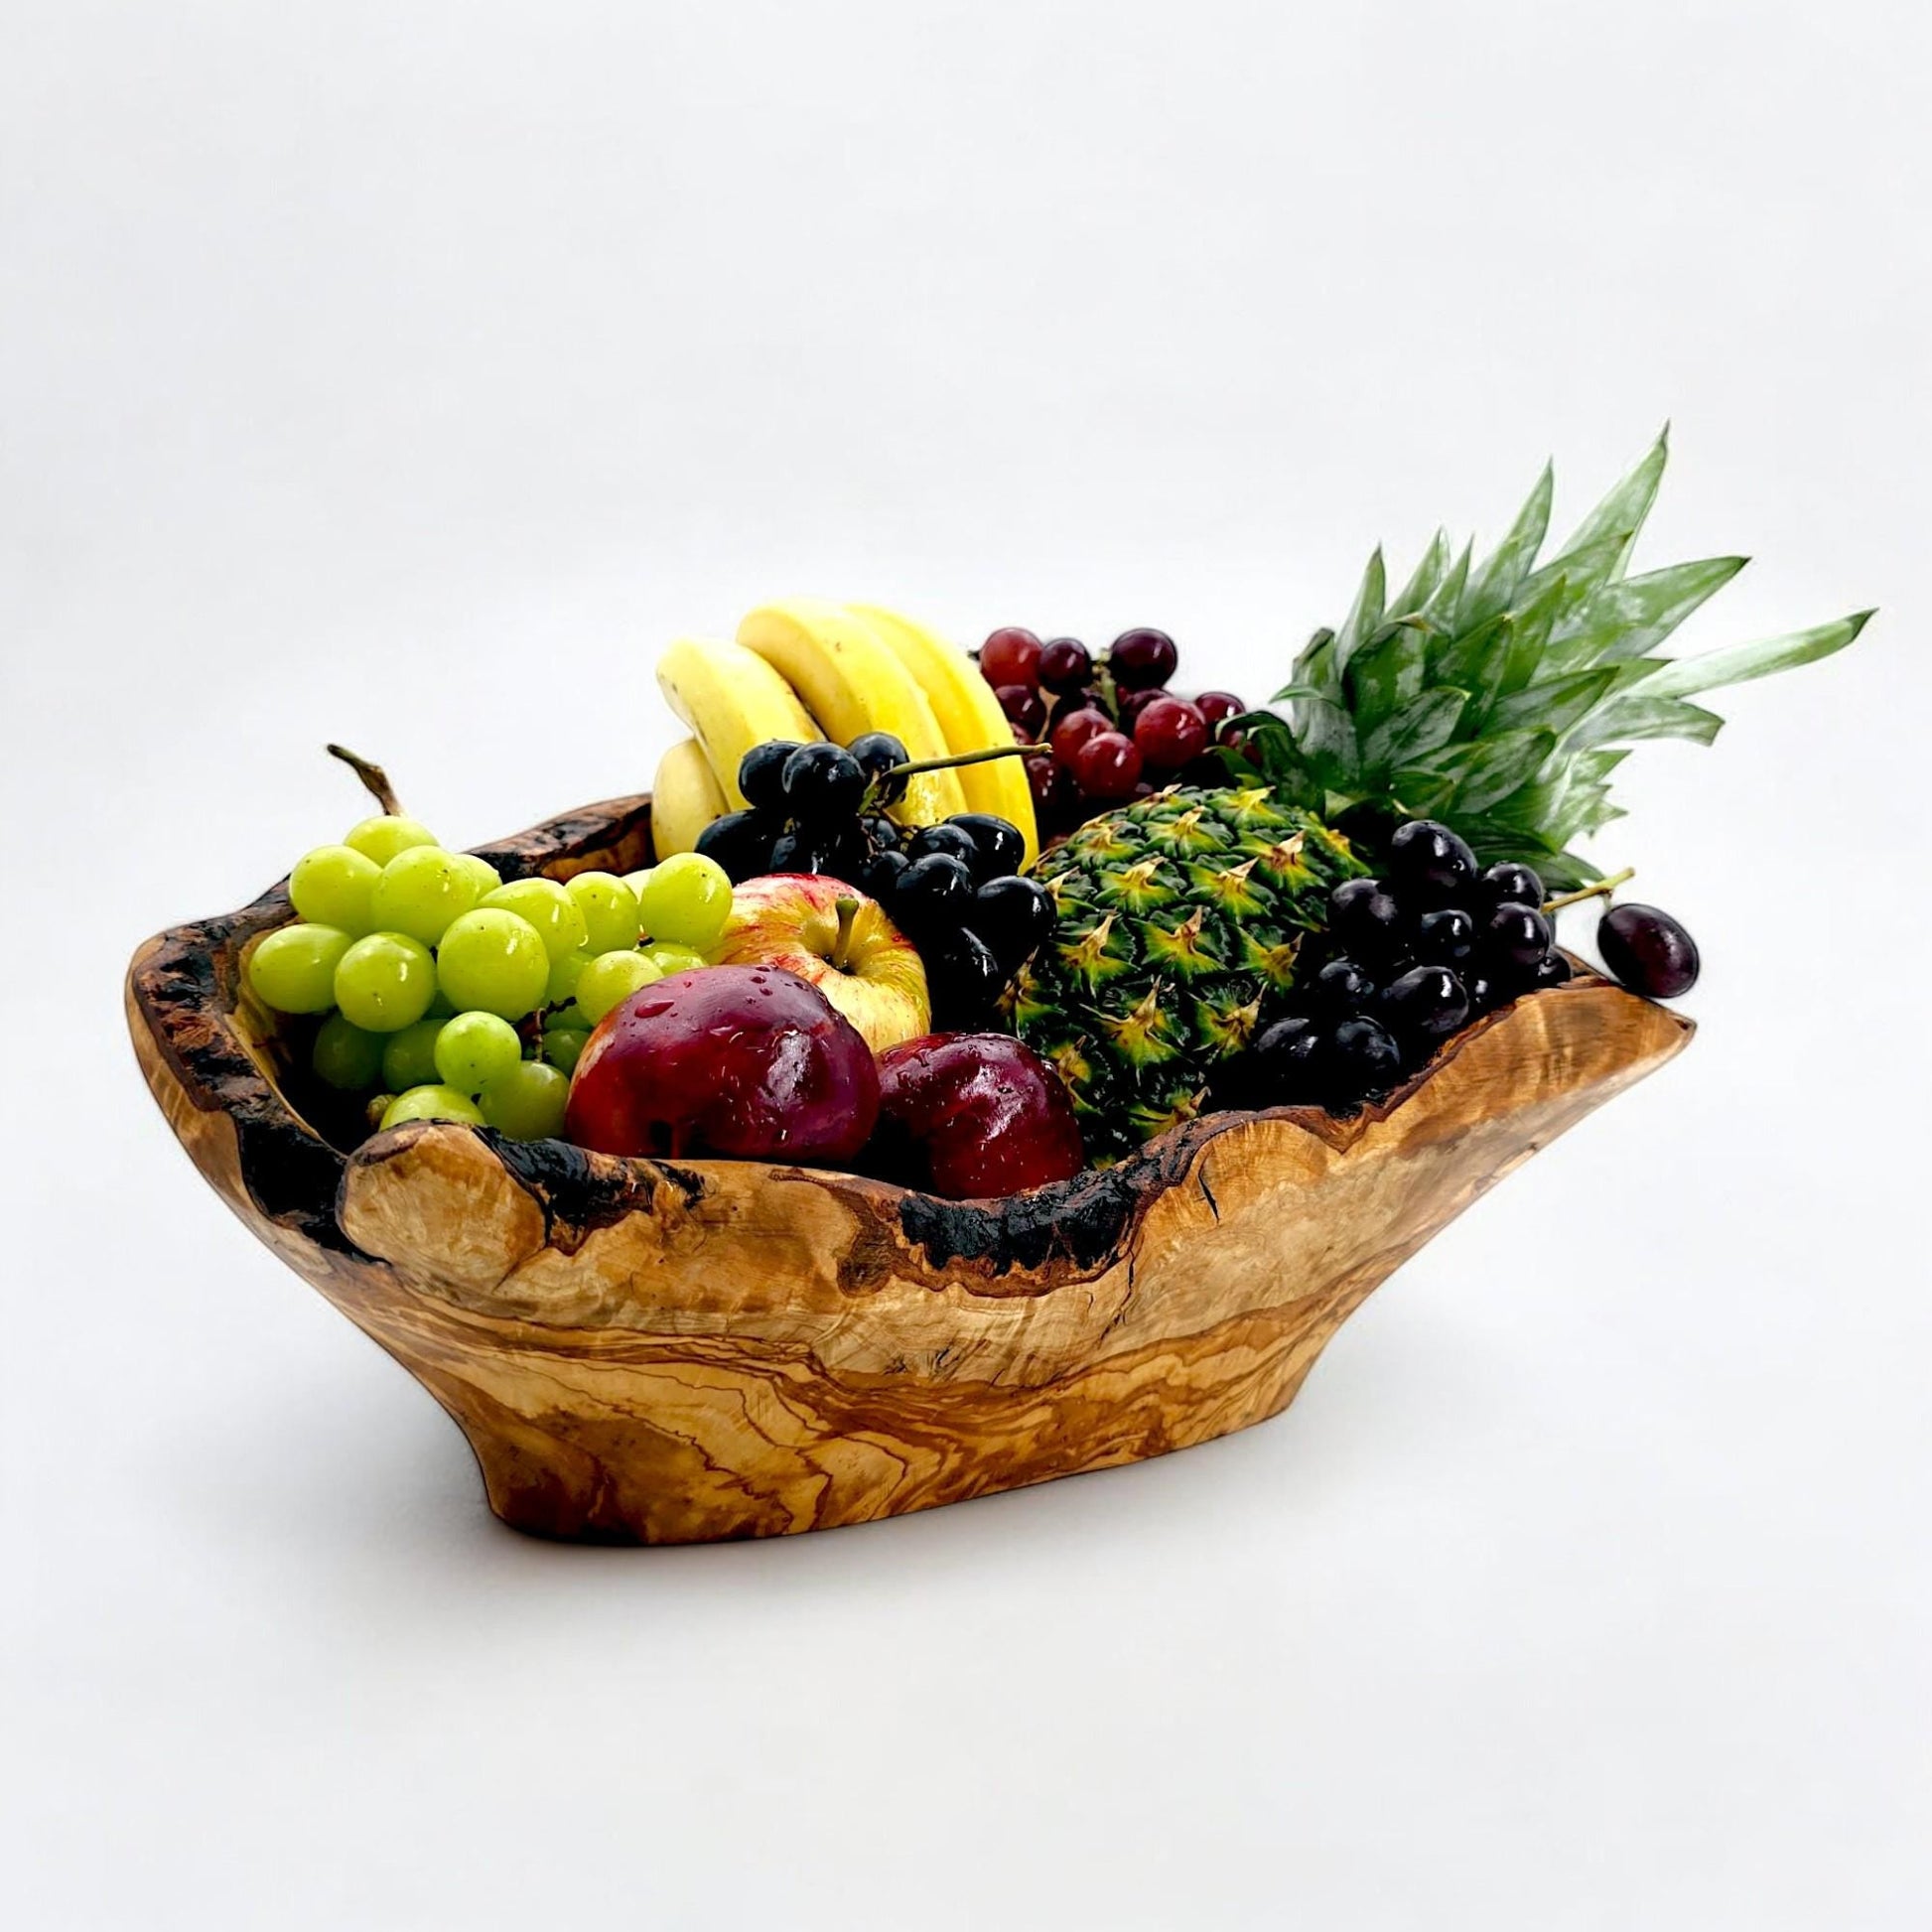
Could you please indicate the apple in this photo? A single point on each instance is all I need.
(835, 939)
(744, 1060)
(971, 1115)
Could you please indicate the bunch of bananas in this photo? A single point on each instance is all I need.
(808, 669)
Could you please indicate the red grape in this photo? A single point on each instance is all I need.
(1072, 729)
(1108, 766)
(1010, 656)
(1065, 664)
(1025, 708)
(1143, 658)
(1130, 705)
(1169, 731)
(1220, 705)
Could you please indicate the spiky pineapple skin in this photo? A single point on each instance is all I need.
(1177, 917)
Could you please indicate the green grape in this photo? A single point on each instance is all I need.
(563, 976)
(609, 910)
(409, 1058)
(380, 838)
(431, 1102)
(611, 979)
(385, 982)
(293, 970)
(685, 900)
(674, 959)
(486, 875)
(569, 1019)
(563, 1048)
(420, 891)
(331, 887)
(526, 1101)
(491, 961)
(345, 1057)
(473, 1049)
(543, 903)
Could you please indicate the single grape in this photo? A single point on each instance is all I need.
(998, 847)
(1011, 655)
(761, 773)
(1072, 729)
(686, 901)
(1486, 994)
(1108, 766)
(1552, 969)
(878, 877)
(385, 981)
(564, 974)
(331, 887)
(1364, 920)
(293, 970)
(493, 961)
(823, 784)
(1143, 658)
(1648, 951)
(955, 841)
(1515, 937)
(1429, 864)
(1013, 915)
(420, 891)
(380, 838)
(1025, 711)
(1065, 664)
(611, 979)
(1217, 707)
(669, 959)
(933, 892)
(609, 910)
(964, 977)
(1049, 783)
(1365, 1061)
(1445, 936)
(486, 875)
(1288, 1064)
(526, 1101)
(881, 834)
(473, 1048)
(1508, 883)
(564, 1048)
(741, 842)
(548, 909)
(410, 1056)
(879, 754)
(346, 1057)
(1342, 987)
(1169, 731)
(797, 850)
(431, 1103)
(1427, 1004)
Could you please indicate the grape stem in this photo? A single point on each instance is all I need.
(964, 758)
(373, 777)
(848, 910)
(1602, 890)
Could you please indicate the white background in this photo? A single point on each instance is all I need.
(406, 375)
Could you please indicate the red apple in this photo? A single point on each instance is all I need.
(744, 1060)
(969, 1115)
(838, 940)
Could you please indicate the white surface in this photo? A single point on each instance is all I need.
(406, 375)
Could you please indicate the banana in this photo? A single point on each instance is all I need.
(853, 683)
(969, 714)
(685, 798)
(732, 699)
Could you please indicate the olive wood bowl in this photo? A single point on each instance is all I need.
(662, 1351)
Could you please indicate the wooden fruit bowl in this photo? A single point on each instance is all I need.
(658, 1352)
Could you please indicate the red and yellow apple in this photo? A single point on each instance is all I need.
(838, 940)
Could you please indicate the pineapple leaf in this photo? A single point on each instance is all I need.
(1499, 579)
(1316, 664)
(1489, 770)
(1742, 663)
(1423, 794)
(1530, 632)
(1385, 675)
(1632, 616)
(1621, 513)
(1423, 726)
(1581, 574)
(1447, 598)
(1366, 613)
(1415, 594)
(1640, 714)
(1556, 704)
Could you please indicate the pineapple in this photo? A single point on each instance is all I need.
(1176, 917)
(1501, 698)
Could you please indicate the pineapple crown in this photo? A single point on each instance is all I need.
(1500, 697)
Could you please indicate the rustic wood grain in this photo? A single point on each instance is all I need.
(661, 1352)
